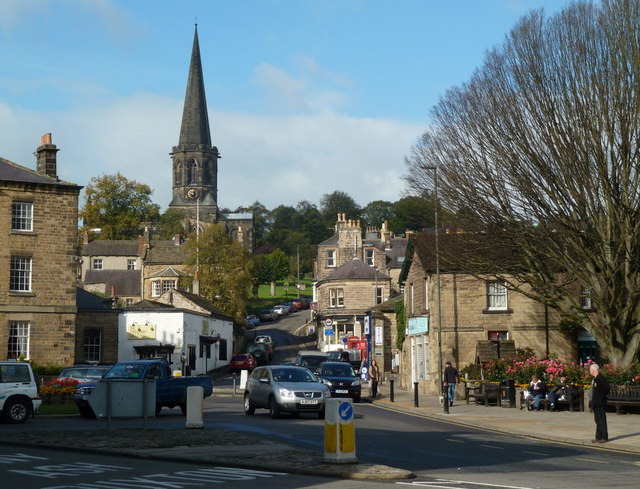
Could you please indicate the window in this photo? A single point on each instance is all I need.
(159, 287)
(336, 297)
(585, 299)
(18, 339)
(497, 296)
(426, 294)
(155, 288)
(368, 257)
(131, 264)
(20, 274)
(379, 295)
(167, 285)
(128, 302)
(96, 264)
(92, 345)
(331, 258)
(22, 216)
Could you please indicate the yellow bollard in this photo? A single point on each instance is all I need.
(339, 432)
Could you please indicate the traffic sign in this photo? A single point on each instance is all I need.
(328, 322)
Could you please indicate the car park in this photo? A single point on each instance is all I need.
(252, 320)
(341, 380)
(242, 361)
(268, 315)
(281, 310)
(283, 388)
(83, 373)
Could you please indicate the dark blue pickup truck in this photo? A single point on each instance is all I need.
(170, 391)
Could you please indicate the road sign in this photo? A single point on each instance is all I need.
(328, 322)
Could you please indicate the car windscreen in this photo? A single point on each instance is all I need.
(238, 358)
(338, 371)
(292, 375)
(126, 371)
(313, 362)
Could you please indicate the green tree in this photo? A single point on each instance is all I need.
(412, 213)
(377, 212)
(338, 202)
(224, 271)
(170, 224)
(117, 206)
(541, 146)
(267, 269)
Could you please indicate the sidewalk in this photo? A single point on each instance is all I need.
(562, 426)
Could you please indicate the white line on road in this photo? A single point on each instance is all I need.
(591, 460)
(535, 453)
(492, 446)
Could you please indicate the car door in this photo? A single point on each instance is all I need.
(260, 389)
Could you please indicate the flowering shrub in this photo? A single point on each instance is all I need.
(64, 387)
(522, 370)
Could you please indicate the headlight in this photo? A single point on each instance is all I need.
(286, 393)
(326, 382)
(355, 382)
(326, 393)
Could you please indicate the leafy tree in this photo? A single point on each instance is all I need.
(117, 206)
(170, 224)
(414, 213)
(376, 212)
(268, 269)
(541, 149)
(338, 202)
(261, 217)
(310, 222)
(224, 270)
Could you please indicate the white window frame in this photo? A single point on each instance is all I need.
(20, 274)
(97, 264)
(18, 341)
(131, 263)
(92, 345)
(155, 288)
(426, 294)
(331, 258)
(497, 296)
(379, 295)
(336, 297)
(167, 285)
(585, 299)
(369, 256)
(22, 216)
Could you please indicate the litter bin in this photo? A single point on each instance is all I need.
(508, 393)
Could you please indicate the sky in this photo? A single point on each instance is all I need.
(305, 97)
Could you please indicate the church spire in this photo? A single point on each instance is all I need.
(195, 119)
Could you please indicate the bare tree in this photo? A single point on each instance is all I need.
(543, 145)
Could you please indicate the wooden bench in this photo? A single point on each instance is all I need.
(484, 393)
(575, 403)
(622, 396)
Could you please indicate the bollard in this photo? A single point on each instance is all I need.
(233, 377)
(339, 432)
(391, 398)
(415, 395)
(195, 407)
(445, 398)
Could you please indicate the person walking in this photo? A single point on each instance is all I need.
(374, 375)
(598, 401)
(450, 379)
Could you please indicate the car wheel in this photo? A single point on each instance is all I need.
(86, 412)
(16, 411)
(249, 408)
(274, 409)
(183, 408)
(321, 414)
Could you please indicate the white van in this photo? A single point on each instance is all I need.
(18, 392)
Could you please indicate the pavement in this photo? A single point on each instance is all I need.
(208, 446)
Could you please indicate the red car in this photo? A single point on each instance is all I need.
(242, 361)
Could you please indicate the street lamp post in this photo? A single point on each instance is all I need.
(443, 391)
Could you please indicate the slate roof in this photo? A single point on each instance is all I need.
(169, 272)
(165, 252)
(111, 247)
(88, 301)
(147, 304)
(12, 172)
(355, 269)
(332, 241)
(126, 282)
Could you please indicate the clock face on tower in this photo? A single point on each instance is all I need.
(193, 193)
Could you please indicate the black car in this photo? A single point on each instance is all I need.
(341, 380)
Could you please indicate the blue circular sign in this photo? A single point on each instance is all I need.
(345, 411)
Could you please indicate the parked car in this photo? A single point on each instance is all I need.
(268, 315)
(242, 361)
(353, 356)
(18, 392)
(252, 320)
(281, 388)
(291, 307)
(281, 310)
(341, 380)
(83, 373)
(262, 352)
(265, 338)
(311, 359)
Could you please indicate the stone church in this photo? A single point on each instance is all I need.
(195, 165)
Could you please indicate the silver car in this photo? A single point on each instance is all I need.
(283, 388)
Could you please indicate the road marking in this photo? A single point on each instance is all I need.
(535, 453)
(455, 441)
(438, 484)
(590, 460)
(492, 446)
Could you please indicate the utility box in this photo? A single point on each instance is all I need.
(508, 393)
(120, 398)
(339, 432)
(195, 407)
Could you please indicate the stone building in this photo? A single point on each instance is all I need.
(38, 265)
(195, 164)
(481, 319)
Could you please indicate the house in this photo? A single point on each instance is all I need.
(96, 329)
(181, 327)
(38, 264)
(480, 317)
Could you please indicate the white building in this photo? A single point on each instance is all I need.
(180, 327)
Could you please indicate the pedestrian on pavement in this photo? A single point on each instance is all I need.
(598, 401)
(450, 379)
(538, 390)
(374, 375)
(560, 390)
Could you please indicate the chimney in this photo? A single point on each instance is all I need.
(46, 157)
(176, 239)
(85, 238)
(140, 245)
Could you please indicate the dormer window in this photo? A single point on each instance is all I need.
(331, 258)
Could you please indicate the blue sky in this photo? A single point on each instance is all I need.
(305, 96)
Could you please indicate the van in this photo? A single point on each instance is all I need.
(18, 392)
(311, 359)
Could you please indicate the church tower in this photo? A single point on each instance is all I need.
(195, 160)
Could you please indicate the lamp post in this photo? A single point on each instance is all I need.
(443, 391)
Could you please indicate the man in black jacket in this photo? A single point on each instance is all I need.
(598, 399)
(450, 379)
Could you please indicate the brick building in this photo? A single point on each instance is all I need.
(38, 263)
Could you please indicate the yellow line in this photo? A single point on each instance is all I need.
(590, 460)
